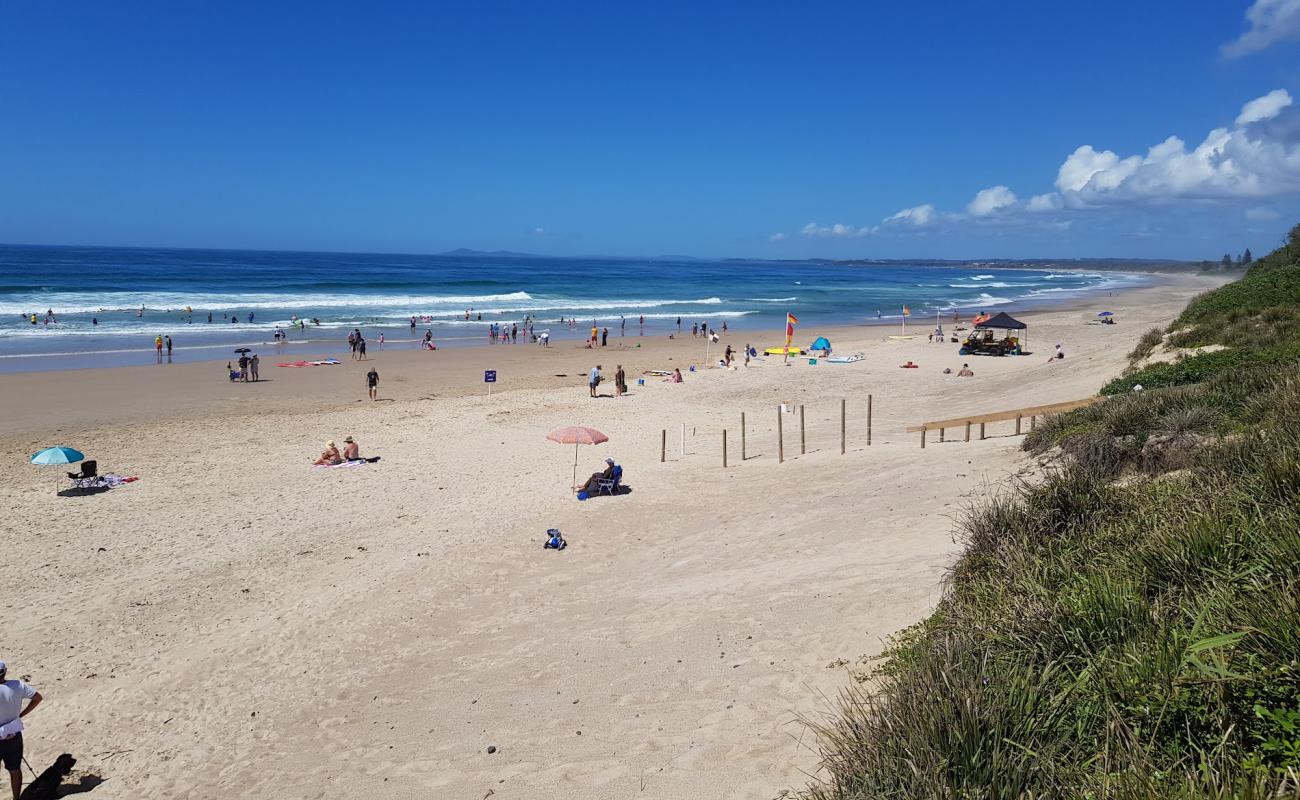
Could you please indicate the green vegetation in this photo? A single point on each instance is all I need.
(1129, 627)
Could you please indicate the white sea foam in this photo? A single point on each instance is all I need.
(65, 303)
(770, 299)
(981, 277)
(985, 299)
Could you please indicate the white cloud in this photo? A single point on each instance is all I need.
(990, 201)
(1261, 214)
(1044, 202)
(539, 231)
(1266, 107)
(1271, 21)
(777, 237)
(836, 231)
(1258, 157)
(920, 216)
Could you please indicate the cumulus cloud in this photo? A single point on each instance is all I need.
(1266, 107)
(836, 231)
(1258, 157)
(920, 216)
(777, 237)
(1270, 21)
(1044, 202)
(990, 201)
(539, 231)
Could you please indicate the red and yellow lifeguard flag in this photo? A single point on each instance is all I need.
(907, 312)
(790, 321)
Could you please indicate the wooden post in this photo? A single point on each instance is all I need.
(663, 445)
(780, 437)
(724, 448)
(683, 438)
(1033, 421)
(868, 420)
(803, 443)
(968, 430)
(742, 436)
(922, 437)
(981, 431)
(843, 424)
(942, 431)
(1017, 424)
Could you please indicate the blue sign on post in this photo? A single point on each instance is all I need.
(489, 376)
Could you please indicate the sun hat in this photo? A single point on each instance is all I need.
(609, 461)
(329, 443)
(348, 440)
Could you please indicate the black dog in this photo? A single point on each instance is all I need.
(46, 787)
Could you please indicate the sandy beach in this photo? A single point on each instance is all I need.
(237, 623)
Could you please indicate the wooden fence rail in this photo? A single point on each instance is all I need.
(1018, 414)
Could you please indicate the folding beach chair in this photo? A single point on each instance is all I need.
(87, 477)
(610, 485)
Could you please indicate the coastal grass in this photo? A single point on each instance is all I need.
(1128, 626)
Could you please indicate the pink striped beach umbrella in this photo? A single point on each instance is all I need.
(576, 435)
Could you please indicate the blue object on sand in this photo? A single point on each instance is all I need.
(583, 495)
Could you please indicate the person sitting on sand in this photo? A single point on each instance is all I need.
(596, 477)
(676, 377)
(965, 372)
(1059, 354)
(351, 452)
(330, 456)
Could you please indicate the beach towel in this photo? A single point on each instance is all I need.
(358, 462)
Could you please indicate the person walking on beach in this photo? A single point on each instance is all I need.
(372, 383)
(642, 325)
(158, 346)
(695, 330)
(243, 367)
(252, 367)
(620, 381)
(679, 324)
(593, 380)
(168, 340)
(361, 349)
(381, 341)
(12, 695)
(622, 326)
(604, 337)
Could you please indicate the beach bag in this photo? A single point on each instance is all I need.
(554, 540)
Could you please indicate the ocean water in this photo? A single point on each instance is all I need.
(108, 304)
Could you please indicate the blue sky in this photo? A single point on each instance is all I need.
(919, 129)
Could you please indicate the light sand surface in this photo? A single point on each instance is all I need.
(239, 624)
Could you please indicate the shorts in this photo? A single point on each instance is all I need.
(11, 753)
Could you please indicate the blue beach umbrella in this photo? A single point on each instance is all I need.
(58, 455)
(1106, 314)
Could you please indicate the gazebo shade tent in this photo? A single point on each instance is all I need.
(1003, 321)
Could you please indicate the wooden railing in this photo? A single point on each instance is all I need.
(1032, 413)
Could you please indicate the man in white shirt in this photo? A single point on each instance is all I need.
(12, 695)
(593, 380)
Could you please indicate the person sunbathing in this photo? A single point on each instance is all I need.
(965, 372)
(596, 477)
(351, 451)
(330, 456)
(676, 377)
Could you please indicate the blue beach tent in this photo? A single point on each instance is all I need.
(822, 343)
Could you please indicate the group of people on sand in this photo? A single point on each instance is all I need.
(332, 456)
(594, 379)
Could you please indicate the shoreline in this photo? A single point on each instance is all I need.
(324, 346)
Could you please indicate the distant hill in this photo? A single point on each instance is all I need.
(465, 251)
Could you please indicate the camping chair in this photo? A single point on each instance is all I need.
(87, 477)
(610, 485)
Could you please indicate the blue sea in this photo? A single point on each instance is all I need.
(104, 306)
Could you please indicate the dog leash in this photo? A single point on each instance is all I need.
(29, 767)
